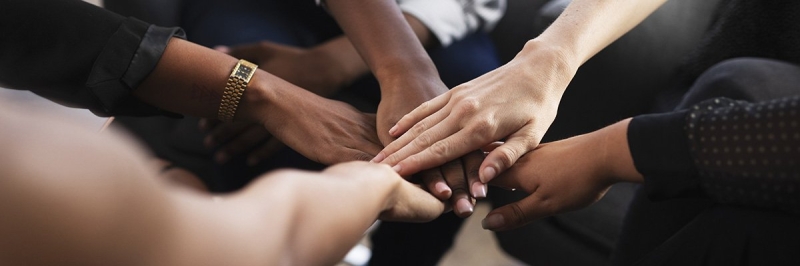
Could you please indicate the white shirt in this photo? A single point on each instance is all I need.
(452, 20)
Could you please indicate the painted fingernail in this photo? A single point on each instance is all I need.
(393, 130)
(463, 206)
(488, 174)
(478, 190)
(378, 158)
(493, 221)
(397, 168)
(221, 157)
(442, 188)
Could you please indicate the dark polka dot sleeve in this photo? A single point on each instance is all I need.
(736, 152)
(748, 153)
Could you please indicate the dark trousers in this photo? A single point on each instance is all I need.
(698, 231)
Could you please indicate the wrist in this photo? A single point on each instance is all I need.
(402, 69)
(343, 64)
(538, 60)
(537, 52)
(257, 98)
(617, 162)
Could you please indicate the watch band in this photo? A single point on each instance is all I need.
(237, 83)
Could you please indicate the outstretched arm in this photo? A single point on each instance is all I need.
(706, 151)
(73, 196)
(118, 66)
(516, 102)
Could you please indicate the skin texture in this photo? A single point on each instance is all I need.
(517, 102)
(597, 160)
(60, 207)
(336, 64)
(324, 130)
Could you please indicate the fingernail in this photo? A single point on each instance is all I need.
(493, 221)
(221, 157)
(463, 206)
(478, 190)
(397, 168)
(378, 158)
(442, 188)
(393, 130)
(252, 161)
(202, 124)
(488, 174)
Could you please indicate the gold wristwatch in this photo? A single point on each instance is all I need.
(234, 89)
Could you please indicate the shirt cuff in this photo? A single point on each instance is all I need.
(445, 19)
(661, 152)
(121, 67)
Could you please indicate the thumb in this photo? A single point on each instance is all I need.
(504, 156)
(516, 214)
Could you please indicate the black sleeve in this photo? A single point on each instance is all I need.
(78, 54)
(733, 152)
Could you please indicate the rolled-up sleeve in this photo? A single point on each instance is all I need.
(79, 55)
(452, 20)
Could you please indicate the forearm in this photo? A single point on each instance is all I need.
(587, 26)
(384, 39)
(348, 64)
(330, 211)
(190, 79)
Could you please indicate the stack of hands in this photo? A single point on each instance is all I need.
(453, 143)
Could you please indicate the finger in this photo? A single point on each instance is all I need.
(517, 213)
(242, 143)
(450, 148)
(453, 173)
(414, 205)
(224, 132)
(472, 163)
(489, 148)
(265, 151)
(505, 155)
(434, 181)
(421, 136)
(419, 113)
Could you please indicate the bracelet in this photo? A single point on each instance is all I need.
(237, 82)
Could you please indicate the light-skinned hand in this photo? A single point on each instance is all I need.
(516, 103)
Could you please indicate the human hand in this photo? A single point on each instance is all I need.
(406, 202)
(457, 183)
(564, 175)
(450, 181)
(516, 102)
(315, 69)
(237, 137)
(323, 130)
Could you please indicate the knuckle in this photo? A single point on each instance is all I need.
(360, 156)
(468, 105)
(423, 141)
(419, 128)
(507, 157)
(440, 149)
(483, 127)
(518, 215)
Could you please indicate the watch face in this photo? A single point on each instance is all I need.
(243, 72)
